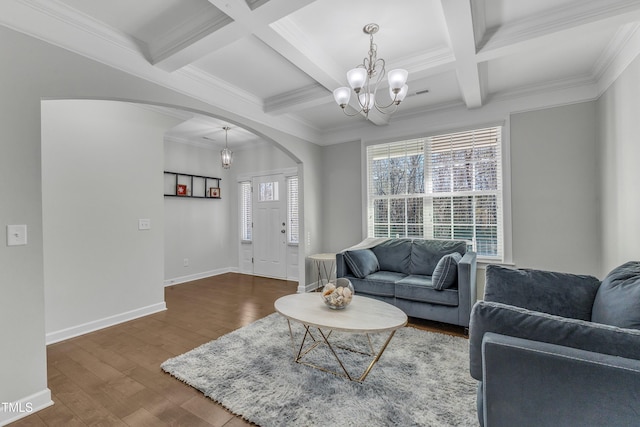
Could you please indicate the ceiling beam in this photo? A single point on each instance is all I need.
(239, 22)
(459, 18)
(517, 36)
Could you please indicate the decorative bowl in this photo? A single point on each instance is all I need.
(338, 293)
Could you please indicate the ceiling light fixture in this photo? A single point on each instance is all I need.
(226, 155)
(365, 79)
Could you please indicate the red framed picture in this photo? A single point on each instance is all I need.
(214, 192)
(181, 190)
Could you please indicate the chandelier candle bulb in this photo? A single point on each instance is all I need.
(400, 95)
(342, 96)
(367, 100)
(397, 79)
(357, 78)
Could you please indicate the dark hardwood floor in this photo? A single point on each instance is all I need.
(112, 377)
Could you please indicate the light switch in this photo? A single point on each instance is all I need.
(144, 224)
(16, 235)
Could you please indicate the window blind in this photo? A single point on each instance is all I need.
(292, 209)
(246, 220)
(443, 187)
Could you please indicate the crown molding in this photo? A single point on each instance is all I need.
(498, 41)
(198, 75)
(69, 16)
(304, 97)
(549, 88)
(623, 49)
(187, 32)
(84, 36)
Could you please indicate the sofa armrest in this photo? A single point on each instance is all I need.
(342, 269)
(530, 383)
(518, 322)
(562, 294)
(467, 294)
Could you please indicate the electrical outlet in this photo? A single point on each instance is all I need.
(185, 263)
(144, 224)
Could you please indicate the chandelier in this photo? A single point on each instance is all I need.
(365, 79)
(226, 155)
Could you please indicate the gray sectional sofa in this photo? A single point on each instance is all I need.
(557, 349)
(427, 279)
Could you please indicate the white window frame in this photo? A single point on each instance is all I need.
(506, 234)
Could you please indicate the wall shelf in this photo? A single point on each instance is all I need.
(190, 186)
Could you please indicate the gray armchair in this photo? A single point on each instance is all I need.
(557, 349)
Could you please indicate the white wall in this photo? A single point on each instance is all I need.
(619, 153)
(555, 189)
(197, 229)
(48, 72)
(101, 172)
(206, 231)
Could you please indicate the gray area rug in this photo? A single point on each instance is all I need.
(422, 379)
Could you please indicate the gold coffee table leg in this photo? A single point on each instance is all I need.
(325, 340)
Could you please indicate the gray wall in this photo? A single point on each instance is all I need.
(554, 195)
(554, 189)
(620, 174)
(342, 209)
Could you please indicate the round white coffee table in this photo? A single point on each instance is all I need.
(363, 316)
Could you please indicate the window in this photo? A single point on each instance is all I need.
(440, 187)
(246, 220)
(269, 192)
(292, 209)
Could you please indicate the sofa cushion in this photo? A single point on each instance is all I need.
(425, 254)
(394, 255)
(362, 262)
(445, 275)
(617, 302)
(380, 283)
(561, 294)
(420, 288)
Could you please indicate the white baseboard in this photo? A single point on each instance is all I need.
(203, 275)
(74, 331)
(13, 411)
(302, 288)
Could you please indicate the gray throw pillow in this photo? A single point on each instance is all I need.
(362, 262)
(445, 275)
(617, 302)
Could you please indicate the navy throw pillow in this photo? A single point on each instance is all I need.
(445, 275)
(617, 302)
(362, 262)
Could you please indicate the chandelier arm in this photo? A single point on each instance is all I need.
(383, 109)
(344, 110)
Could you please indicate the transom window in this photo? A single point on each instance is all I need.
(440, 187)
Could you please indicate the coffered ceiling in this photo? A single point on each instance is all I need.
(278, 61)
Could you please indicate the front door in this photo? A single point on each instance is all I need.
(269, 226)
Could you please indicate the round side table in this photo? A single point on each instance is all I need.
(321, 261)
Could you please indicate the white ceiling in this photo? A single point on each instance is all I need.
(277, 61)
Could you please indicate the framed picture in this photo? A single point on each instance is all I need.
(214, 192)
(181, 190)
